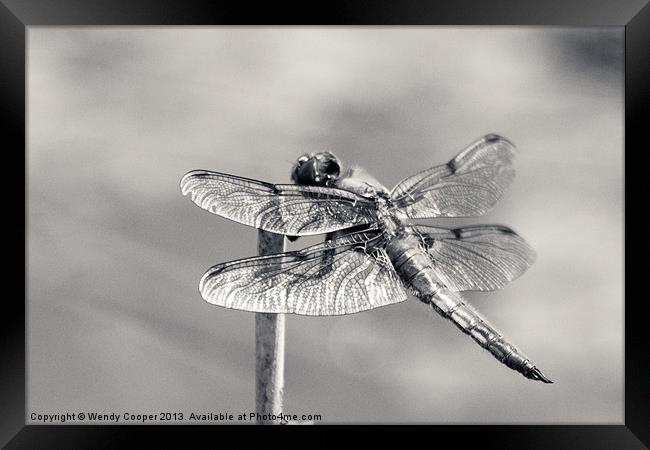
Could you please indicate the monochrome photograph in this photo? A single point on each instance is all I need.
(325, 225)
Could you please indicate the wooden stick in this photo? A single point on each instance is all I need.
(269, 345)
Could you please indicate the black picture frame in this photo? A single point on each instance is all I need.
(634, 15)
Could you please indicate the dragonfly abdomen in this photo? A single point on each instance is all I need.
(451, 305)
(415, 268)
(412, 264)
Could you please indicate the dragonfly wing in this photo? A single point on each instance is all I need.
(477, 258)
(279, 208)
(346, 275)
(468, 185)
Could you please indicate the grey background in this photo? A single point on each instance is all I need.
(117, 115)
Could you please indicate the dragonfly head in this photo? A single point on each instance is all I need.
(316, 169)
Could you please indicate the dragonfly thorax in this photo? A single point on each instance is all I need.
(390, 222)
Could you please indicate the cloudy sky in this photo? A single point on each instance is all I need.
(117, 115)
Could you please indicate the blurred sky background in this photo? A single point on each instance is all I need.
(116, 116)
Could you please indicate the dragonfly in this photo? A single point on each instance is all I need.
(373, 254)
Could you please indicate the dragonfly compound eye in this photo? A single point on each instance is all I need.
(316, 169)
(328, 165)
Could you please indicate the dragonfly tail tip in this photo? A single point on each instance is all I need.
(536, 374)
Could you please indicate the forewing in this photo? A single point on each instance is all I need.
(478, 258)
(349, 274)
(468, 185)
(279, 208)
